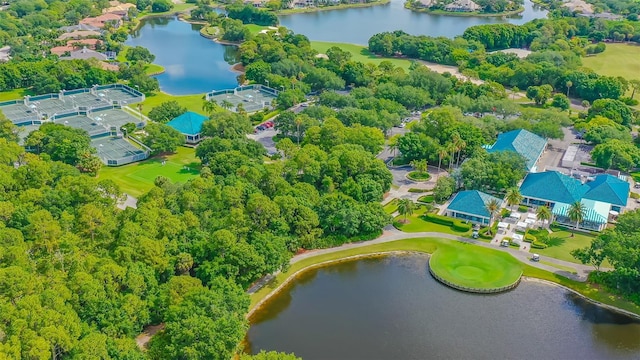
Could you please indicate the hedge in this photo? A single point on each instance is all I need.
(457, 225)
(529, 238)
(523, 209)
(538, 245)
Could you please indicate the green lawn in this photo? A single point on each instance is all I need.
(15, 94)
(151, 69)
(391, 206)
(191, 102)
(359, 53)
(256, 28)
(616, 60)
(430, 245)
(137, 178)
(561, 244)
(418, 176)
(426, 199)
(478, 269)
(415, 223)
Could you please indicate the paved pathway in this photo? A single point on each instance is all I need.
(392, 234)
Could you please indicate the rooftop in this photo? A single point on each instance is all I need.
(553, 186)
(523, 142)
(472, 202)
(84, 54)
(609, 189)
(189, 123)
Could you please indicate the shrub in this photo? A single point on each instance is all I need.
(426, 199)
(415, 190)
(529, 238)
(455, 224)
(461, 226)
(538, 245)
(505, 213)
(523, 209)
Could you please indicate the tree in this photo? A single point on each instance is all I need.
(492, 207)
(139, 53)
(161, 6)
(419, 165)
(616, 153)
(576, 213)
(568, 84)
(227, 125)
(611, 109)
(513, 196)
(210, 106)
(561, 102)
(166, 111)
(539, 94)
(405, 208)
(635, 85)
(162, 138)
(289, 98)
(543, 214)
(8, 130)
(61, 142)
(445, 187)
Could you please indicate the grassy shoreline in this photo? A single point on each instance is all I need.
(328, 8)
(429, 246)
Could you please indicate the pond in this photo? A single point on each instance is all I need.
(193, 64)
(357, 25)
(391, 308)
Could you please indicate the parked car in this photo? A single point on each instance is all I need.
(260, 127)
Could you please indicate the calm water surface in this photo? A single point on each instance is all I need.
(391, 308)
(193, 64)
(357, 25)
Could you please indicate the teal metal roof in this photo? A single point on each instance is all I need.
(472, 202)
(608, 189)
(553, 186)
(189, 123)
(523, 142)
(590, 214)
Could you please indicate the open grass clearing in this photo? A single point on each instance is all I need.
(430, 245)
(15, 94)
(360, 53)
(481, 268)
(255, 29)
(191, 102)
(561, 244)
(617, 60)
(137, 178)
(416, 223)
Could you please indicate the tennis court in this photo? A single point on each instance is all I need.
(51, 106)
(18, 113)
(87, 100)
(117, 94)
(91, 126)
(117, 151)
(114, 117)
(253, 98)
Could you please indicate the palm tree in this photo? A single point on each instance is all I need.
(226, 104)
(492, 206)
(209, 106)
(544, 214)
(577, 212)
(419, 165)
(442, 152)
(298, 121)
(513, 196)
(405, 208)
(569, 84)
(240, 109)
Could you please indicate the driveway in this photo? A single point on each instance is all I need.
(265, 138)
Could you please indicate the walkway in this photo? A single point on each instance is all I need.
(392, 234)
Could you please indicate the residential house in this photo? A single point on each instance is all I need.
(79, 27)
(5, 53)
(118, 8)
(299, 4)
(256, 3)
(79, 34)
(190, 125)
(471, 205)
(426, 3)
(603, 196)
(102, 20)
(523, 142)
(84, 54)
(76, 45)
(463, 6)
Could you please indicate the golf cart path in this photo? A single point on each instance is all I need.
(392, 234)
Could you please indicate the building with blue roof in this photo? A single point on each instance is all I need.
(604, 197)
(523, 142)
(190, 125)
(471, 205)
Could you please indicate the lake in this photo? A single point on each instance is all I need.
(391, 308)
(357, 25)
(193, 64)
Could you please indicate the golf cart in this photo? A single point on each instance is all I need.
(535, 257)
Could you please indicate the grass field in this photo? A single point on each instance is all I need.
(151, 69)
(15, 94)
(430, 245)
(415, 223)
(254, 29)
(137, 178)
(616, 60)
(391, 206)
(191, 102)
(359, 53)
(562, 243)
(478, 269)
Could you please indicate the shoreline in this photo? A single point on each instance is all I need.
(291, 277)
(328, 8)
(520, 10)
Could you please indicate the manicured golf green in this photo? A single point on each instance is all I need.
(477, 269)
(137, 178)
(616, 60)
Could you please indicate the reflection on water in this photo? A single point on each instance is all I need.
(357, 25)
(192, 63)
(391, 308)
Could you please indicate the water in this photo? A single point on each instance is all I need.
(357, 25)
(193, 64)
(391, 308)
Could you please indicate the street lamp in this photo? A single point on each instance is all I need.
(267, 81)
